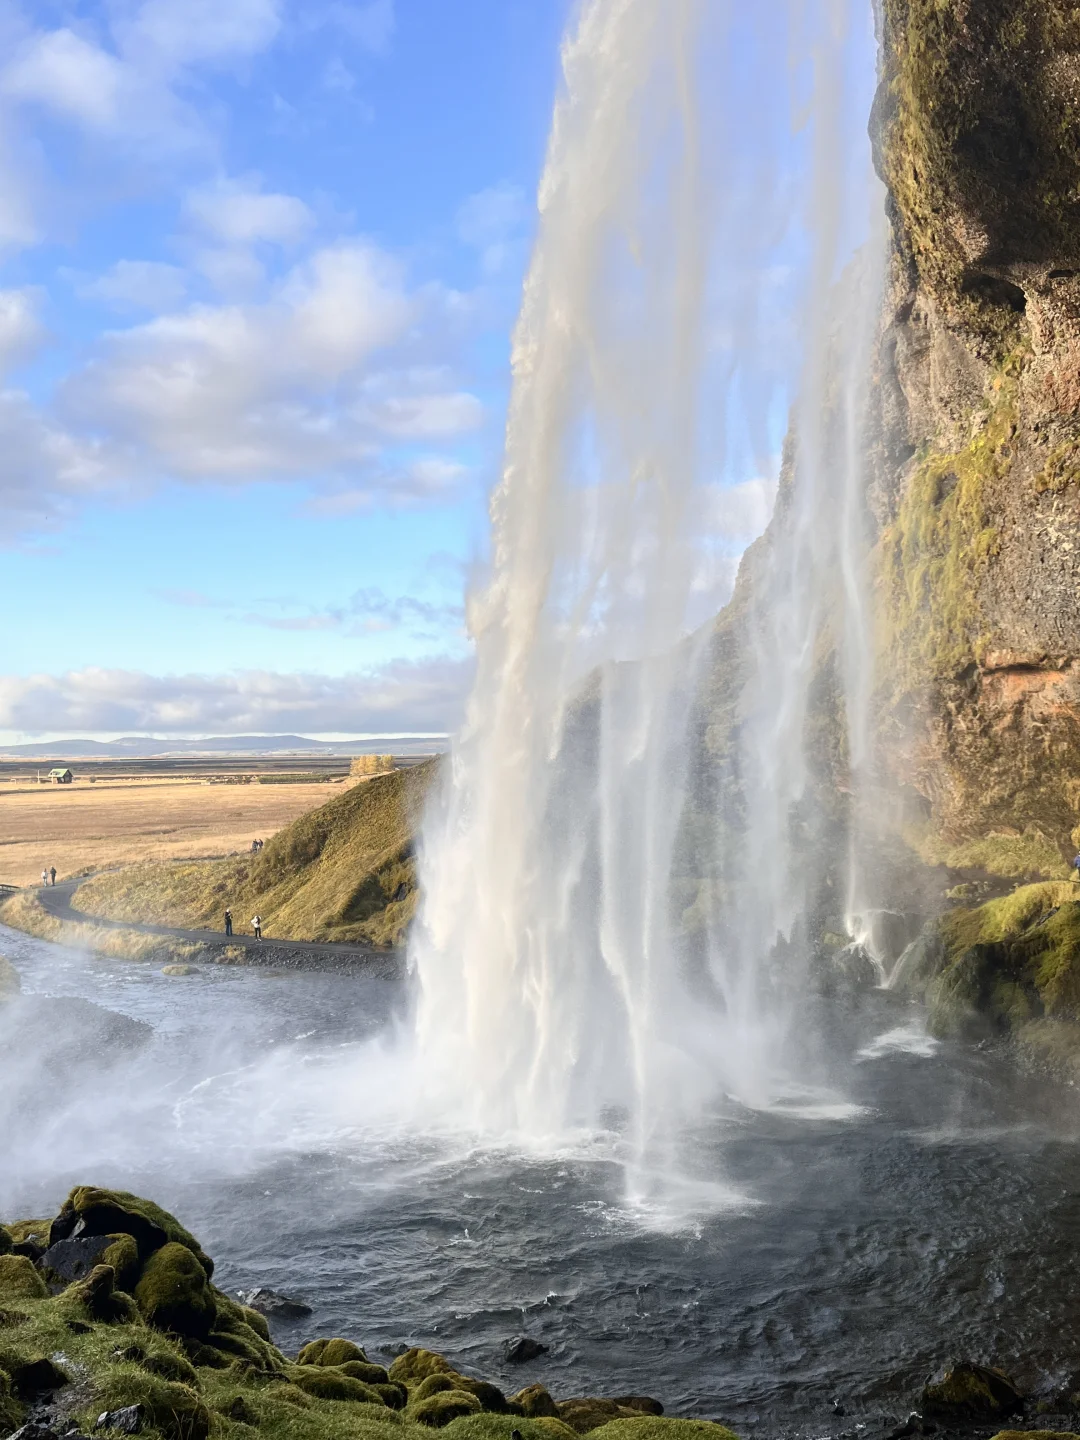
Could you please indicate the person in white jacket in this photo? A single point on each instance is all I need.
(256, 922)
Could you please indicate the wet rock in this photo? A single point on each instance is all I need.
(969, 1392)
(34, 1430)
(522, 1349)
(31, 1378)
(276, 1306)
(128, 1420)
(70, 1260)
(640, 1404)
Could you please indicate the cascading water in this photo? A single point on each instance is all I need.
(707, 178)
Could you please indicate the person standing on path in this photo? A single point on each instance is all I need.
(44, 877)
(52, 873)
(257, 926)
(228, 922)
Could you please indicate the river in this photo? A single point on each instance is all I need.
(826, 1250)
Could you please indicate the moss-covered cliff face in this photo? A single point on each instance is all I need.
(975, 491)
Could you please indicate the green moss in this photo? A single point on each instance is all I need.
(1029, 856)
(328, 1383)
(330, 1352)
(19, 1280)
(97, 1296)
(660, 1427)
(416, 1364)
(502, 1427)
(440, 1409)
(934, 553)
(174, 1293)
(1009, 962)
(436, 1383)
(535, 1402)
(123, 1256)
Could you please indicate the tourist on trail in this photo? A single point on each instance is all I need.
(257, 926)
(52, 873)
(44, 877)
(228, 922)
(254, 846)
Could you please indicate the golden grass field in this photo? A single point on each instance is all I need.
(84, 827)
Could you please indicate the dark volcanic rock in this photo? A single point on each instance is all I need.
(128, 1420)
(275, 1306)
(73, 1259)
(969, 1392)
(30, 1378)
(523, 1349)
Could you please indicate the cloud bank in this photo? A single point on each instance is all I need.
(424, 696)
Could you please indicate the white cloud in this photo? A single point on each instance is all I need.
(309, 382)
(176, 33)
(20, 330)
(237, 212)
(63, 72)
(137, 285)
(424, 695)
(44, 469)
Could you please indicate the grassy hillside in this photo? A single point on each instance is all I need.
(344, 872)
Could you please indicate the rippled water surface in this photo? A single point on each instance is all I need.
(842, 1245)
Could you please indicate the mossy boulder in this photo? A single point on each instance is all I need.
(655, 1427)
(535, 1402)
(417, 1364)
(6, 1240)
(440, 1409)
(589, 1412)
(435, 1384)
(330, 1352)
(364, 1370)
(971, 1393)
(99, 1298)
(1009, 963)
(326, 1382)
(174, 1293)
(176, 1410)
(490, 1396)
(236, 1336)
(91, 1211)
(19, 1280)
(123, 1256)
(502, 1427)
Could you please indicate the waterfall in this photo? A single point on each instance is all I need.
(707, 180)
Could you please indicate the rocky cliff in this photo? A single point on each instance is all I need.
(975, 482)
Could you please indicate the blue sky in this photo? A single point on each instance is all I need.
(259, 263)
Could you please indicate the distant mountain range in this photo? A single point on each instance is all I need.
(143, 747)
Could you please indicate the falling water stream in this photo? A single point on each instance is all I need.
(692, 280)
